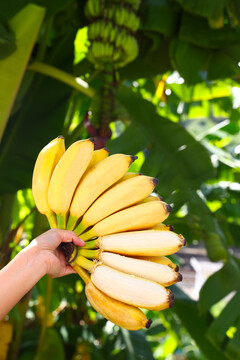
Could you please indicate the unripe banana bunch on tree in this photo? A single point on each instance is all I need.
(111, 31)
(124, 261)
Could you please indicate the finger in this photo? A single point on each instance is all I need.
(69, 270)
(70, 236)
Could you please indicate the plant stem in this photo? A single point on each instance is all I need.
(76, 83)
(107, 100)
(45, 317)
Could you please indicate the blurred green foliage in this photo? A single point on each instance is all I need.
(177, 108)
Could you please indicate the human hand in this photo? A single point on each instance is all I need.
(52, 257)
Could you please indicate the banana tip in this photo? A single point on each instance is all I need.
(171, 300)
(161, 198)
(179, 278)
(148, 323)
(60, 137)
(171, 228)
(133, 158)
(92, 140)
(105, 148)
(183, 240)
(155, 181)
(177, 268)
(169, 208)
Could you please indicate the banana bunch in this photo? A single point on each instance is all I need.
(111, 31)
(124, 262)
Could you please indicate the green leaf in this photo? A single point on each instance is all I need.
(195, 323)
(7, 41)
(232, 349)
(10, 8)
(39, 120)
(136, 344)
(52, 347)
(131, 141)
(201, 91)
(196, 30)
(151, 61)
(222, 65)
(183, 162)
(155, 329)
(210, 9)
(26, 25)
(188, 59)
(159, 16)
(218, 328)
(220, 284)
(211, 232)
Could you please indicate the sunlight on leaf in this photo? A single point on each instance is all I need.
(81, 45)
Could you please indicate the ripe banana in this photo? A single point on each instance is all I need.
(163, 227)
(98, 179)
(150, 270)
(98, 155)
(130, 289)
(120, 196)
(129, 175)
(66, 176)
(124, 315)
(160, 260)
(142, 243)
(136, 217)
(43, 169)
(151, 198)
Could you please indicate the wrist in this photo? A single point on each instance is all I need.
(37, 257)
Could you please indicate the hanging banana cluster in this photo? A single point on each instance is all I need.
(111, 31)
(123, 263)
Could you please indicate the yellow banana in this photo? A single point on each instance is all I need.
(142, 243)
(98, 155)
(128, 175)
(163, 227)
(66, 176)
(98, 179)
(43, 169)
(150, 270)
(141, 216)
(161, 260)
(124, 315)
(151, 198)
(130, 289)
(120, 196)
